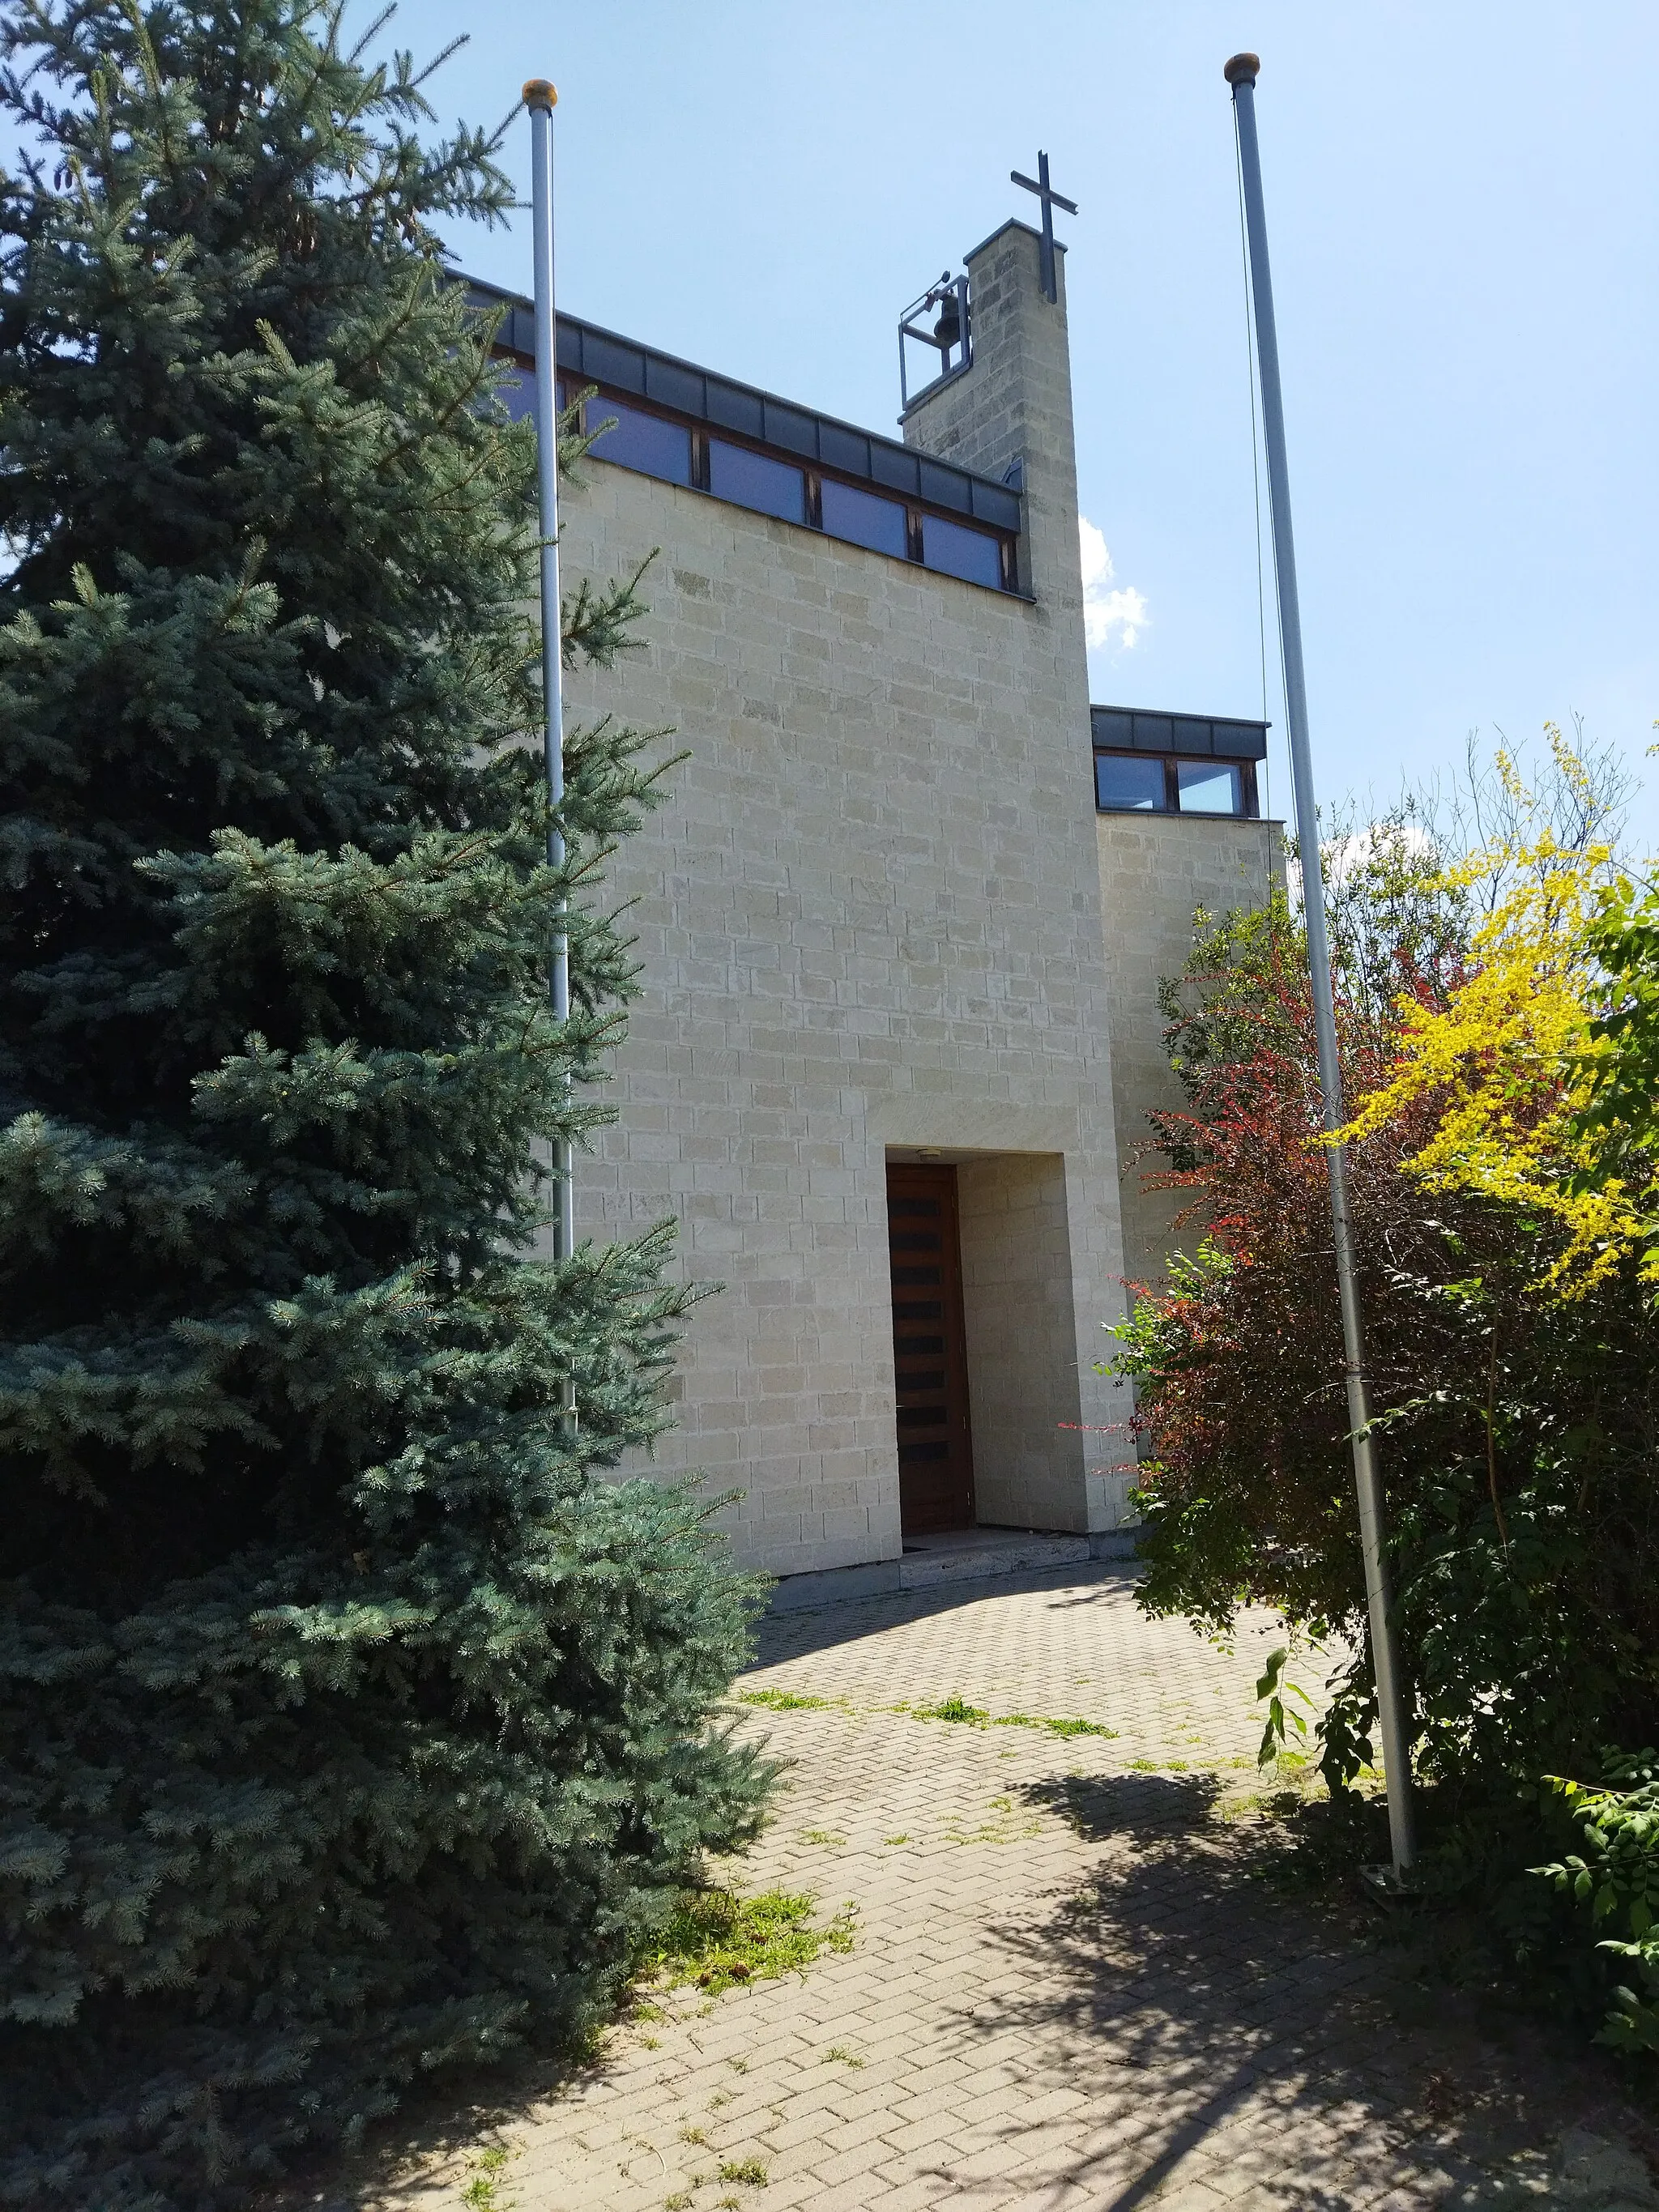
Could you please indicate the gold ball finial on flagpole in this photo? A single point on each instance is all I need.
(1244, 68)
(538, 93)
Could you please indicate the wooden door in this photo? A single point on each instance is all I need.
(935, 1446)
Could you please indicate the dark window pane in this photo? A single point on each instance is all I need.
(517, 391)
(1209, 787)
(862, 518)
(970, 554)
(649, 443)
(1120, 782)
(751, 480)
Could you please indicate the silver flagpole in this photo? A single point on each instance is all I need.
(540, 98)
(1241, 74)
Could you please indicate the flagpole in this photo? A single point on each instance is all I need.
(1241, 74)
(540, 98)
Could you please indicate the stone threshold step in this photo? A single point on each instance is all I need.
(965, 1555)
(982, 1552)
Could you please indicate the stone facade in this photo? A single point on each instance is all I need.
(870, 920)
(1156, 871)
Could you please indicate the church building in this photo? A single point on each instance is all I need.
(901, 924)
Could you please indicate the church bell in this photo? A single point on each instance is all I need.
(947, 330)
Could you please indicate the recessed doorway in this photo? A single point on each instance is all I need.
(930, 1360)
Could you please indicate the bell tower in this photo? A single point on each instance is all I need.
(1008, 414)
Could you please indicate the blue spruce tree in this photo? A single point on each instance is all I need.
(353, 1724)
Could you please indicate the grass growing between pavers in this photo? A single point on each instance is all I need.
(747, 2172)
(953, 1708)
(1006, 1824)
(716, 1939)
(482, 2191)
(958, 1710)
(790, 1701)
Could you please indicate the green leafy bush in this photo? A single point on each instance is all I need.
(1613, 1880)
(1517, 1430)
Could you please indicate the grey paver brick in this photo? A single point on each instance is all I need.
(1067, 1992)
(919, 2194)
(934, 2125)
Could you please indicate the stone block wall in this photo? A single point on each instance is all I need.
(1022, 1339)
(1156, 871)
(868, 920)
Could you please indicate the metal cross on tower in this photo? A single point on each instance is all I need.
(1051, 199)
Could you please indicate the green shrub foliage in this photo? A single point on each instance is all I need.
(1612, 1880)
(1517, 1432)
(353, 1726)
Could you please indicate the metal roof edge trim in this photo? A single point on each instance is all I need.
(1250, 742)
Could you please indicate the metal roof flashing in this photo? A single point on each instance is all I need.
(1141, 730)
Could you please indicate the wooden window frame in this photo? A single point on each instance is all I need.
(1248, 808)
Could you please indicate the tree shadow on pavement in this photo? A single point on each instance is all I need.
(1236, 2033)
(795, 1633)
(1127, 1806)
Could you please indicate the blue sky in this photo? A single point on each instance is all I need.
(1463, 203)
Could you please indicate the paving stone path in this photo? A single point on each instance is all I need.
(1071, 1985)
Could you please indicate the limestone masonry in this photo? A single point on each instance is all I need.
(891, 942)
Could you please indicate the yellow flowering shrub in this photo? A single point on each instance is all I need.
(1513, 1058)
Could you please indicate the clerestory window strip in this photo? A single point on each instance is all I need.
(683, 426)
(654, 443)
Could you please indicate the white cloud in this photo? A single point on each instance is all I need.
(1349, 855)
(1110, 617)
